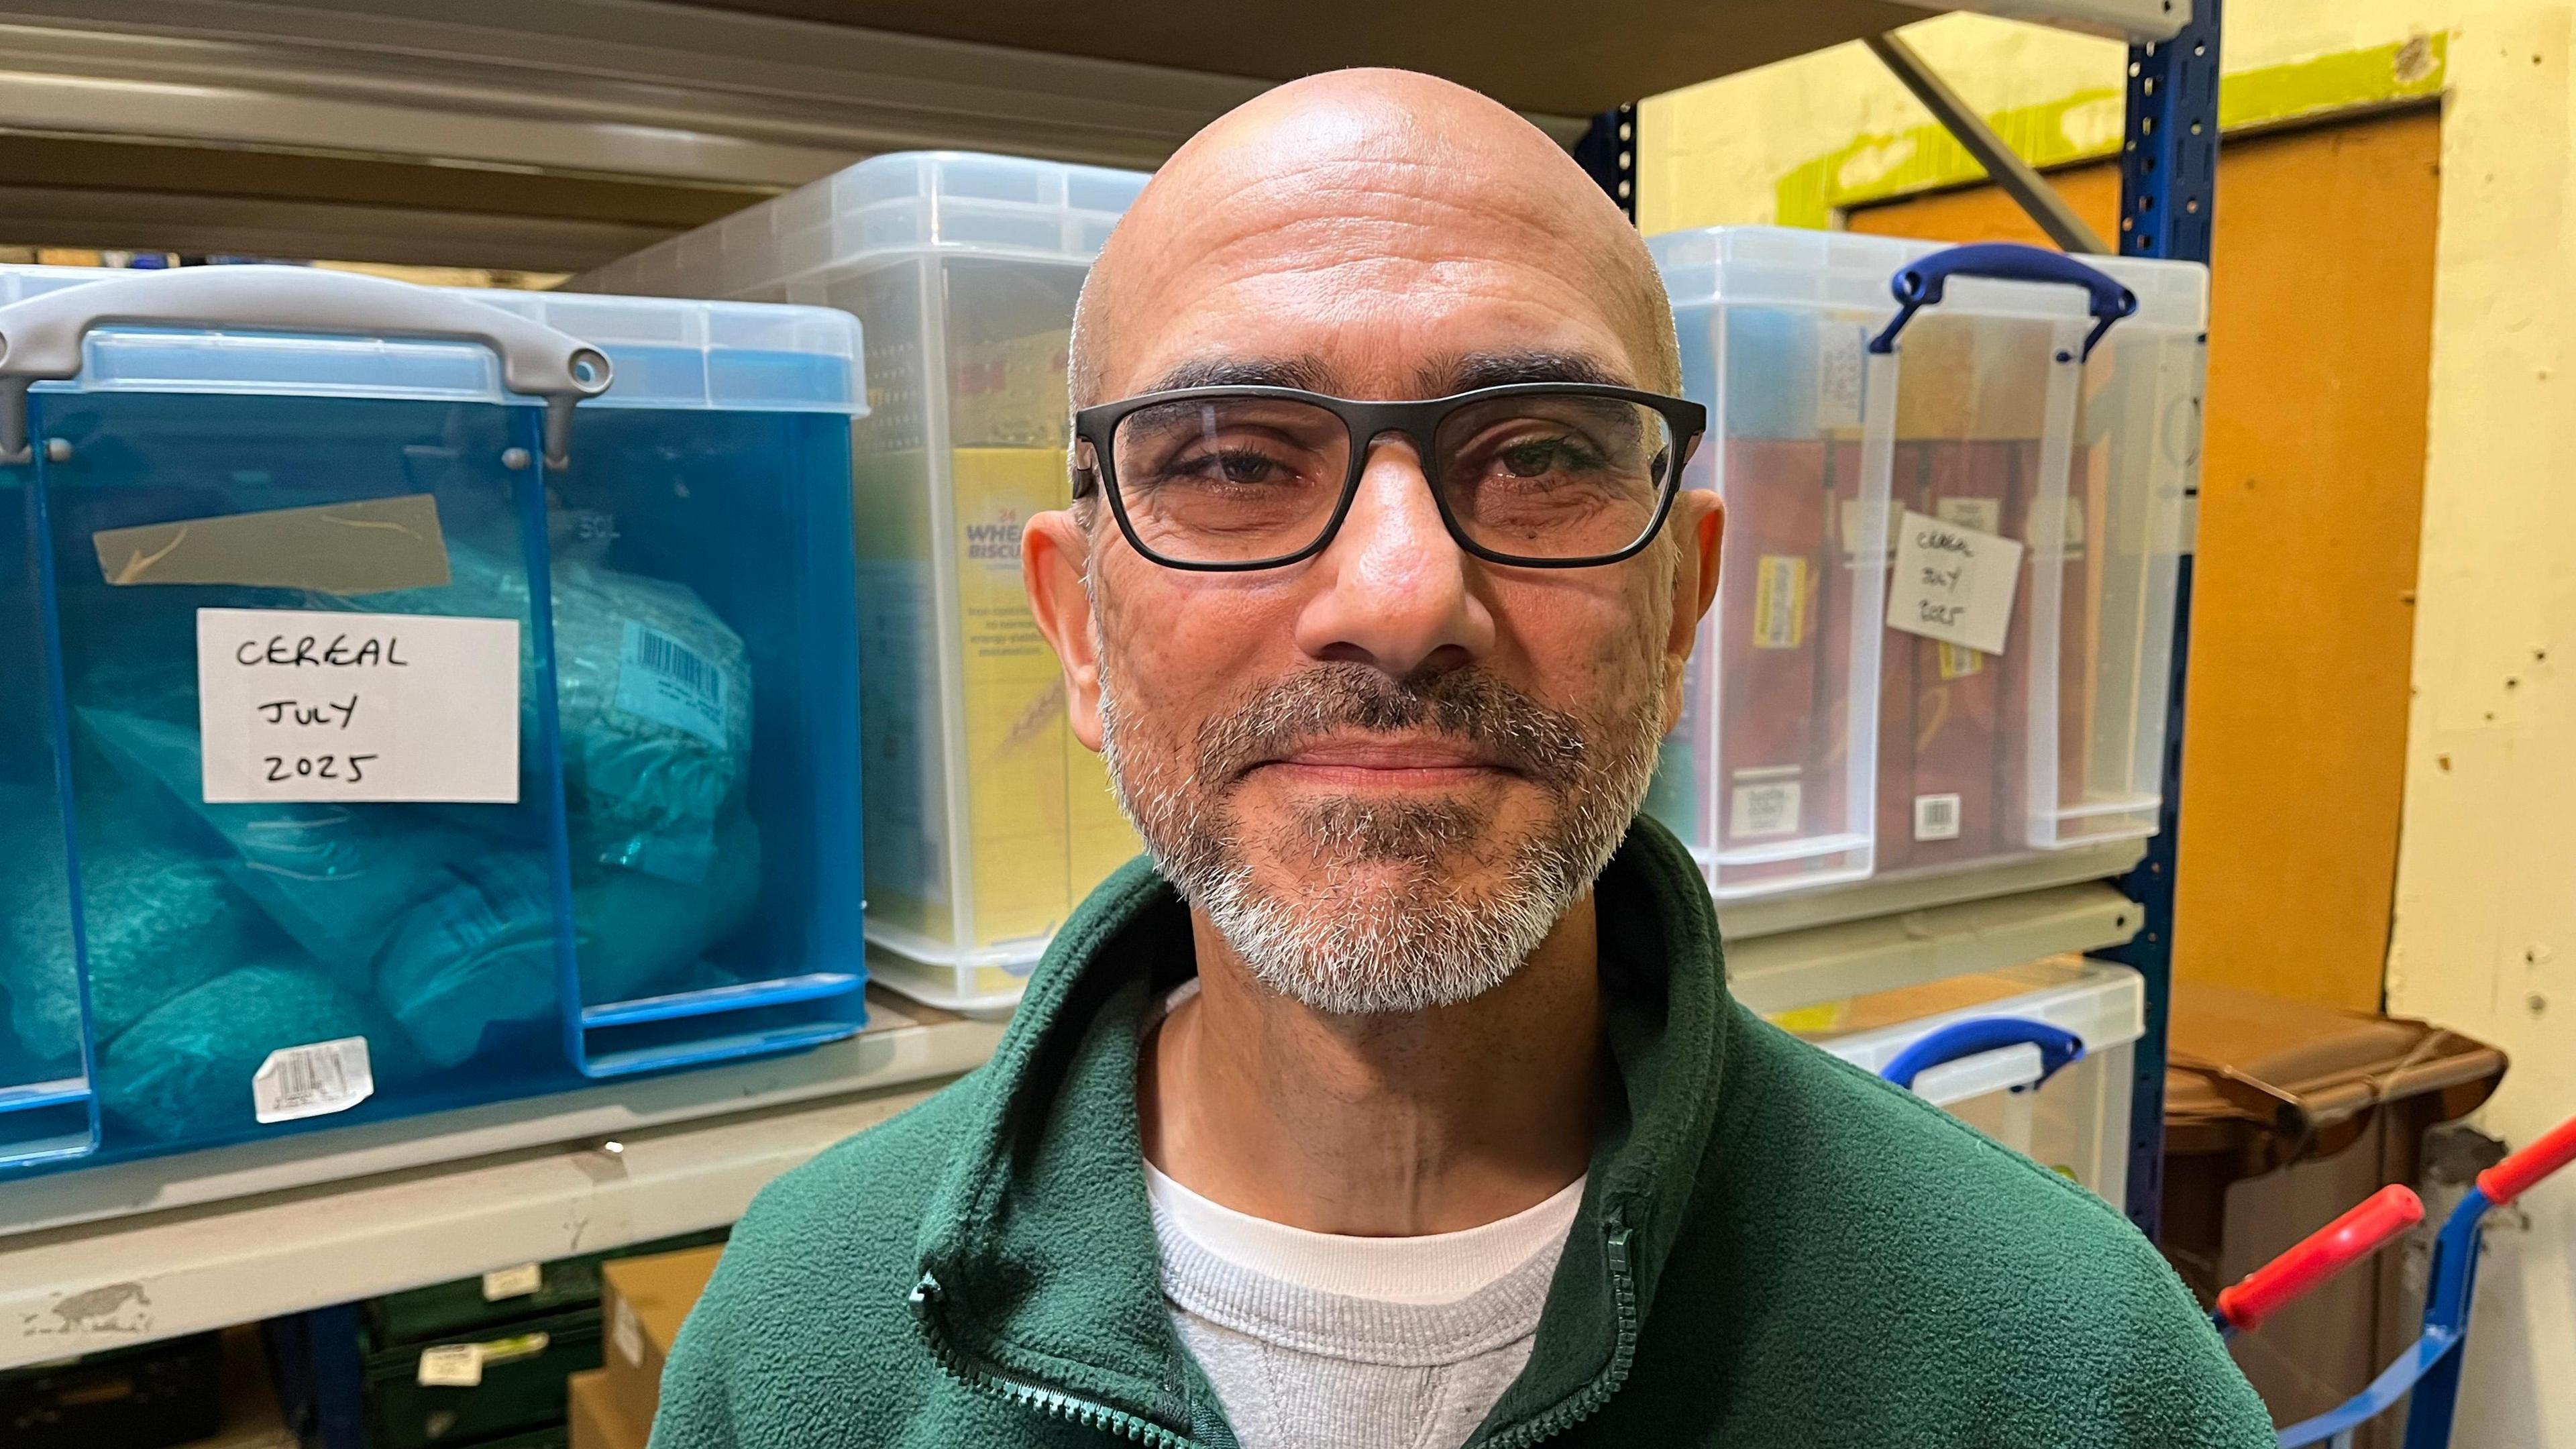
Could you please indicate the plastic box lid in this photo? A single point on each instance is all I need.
(1792, 266)
(904, 202)
(2102, 1003)
(667, 353)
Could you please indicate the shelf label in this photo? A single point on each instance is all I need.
(301, 704)
(314, 1080)
(1952, 583)
(451, 1366)
(1936, 817)
(516, 1282)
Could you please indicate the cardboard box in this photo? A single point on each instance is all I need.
(598, 1418)
(1777, 537)
(644, 1301)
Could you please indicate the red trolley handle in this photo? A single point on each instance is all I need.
(2321, 1255)
(2515, 1175)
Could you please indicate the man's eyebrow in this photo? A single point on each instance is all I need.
(1306, 373)
(1473, 370)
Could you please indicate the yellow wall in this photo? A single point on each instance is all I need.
(2484, 937)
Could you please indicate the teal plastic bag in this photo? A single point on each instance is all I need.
(482, 951)
(185, 1069)
(653, 697)
(337, 879)
(159, 919)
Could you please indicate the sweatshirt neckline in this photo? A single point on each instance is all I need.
(1427, 1270)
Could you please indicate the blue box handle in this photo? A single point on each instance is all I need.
(40, 337)
(1920, 285)
(2058, 1047)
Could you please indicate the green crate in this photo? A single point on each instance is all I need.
(127, 1398)
(552, 1436)
(444, 1311)
(518, 1394)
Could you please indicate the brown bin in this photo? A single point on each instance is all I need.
(2278, 1116)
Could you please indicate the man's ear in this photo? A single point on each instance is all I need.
(1055, 561)
(1698, 523)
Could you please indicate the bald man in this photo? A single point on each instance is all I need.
(1397, 1098)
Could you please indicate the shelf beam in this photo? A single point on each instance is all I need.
(1828, 963)
(133, 1280)
(2168, 183)
(2004, 166)
(2136, 21)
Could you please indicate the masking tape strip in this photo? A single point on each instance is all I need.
(365, 546)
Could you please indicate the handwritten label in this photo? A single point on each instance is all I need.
(1952, 583)
(314, 1080)
(296, 704)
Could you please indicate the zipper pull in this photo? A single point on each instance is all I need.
(924, 1294)
(1615, 1245)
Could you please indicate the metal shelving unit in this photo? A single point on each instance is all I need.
(292, 124)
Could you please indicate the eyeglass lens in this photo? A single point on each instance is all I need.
(1546, 476)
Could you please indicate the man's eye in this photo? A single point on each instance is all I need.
(1529, 460)
(1246, 467)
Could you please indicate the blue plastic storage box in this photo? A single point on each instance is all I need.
(420, 698)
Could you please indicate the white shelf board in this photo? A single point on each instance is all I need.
(1889, 895)
(904, 1044)
(2132, 20)
(128, 1280)
(107, 1256)
(1827, 963)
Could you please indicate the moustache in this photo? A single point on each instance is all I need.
(1471, 706)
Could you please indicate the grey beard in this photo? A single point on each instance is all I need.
(1408, 939)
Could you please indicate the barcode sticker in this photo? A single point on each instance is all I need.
(1936, 817)
(1779, 601)
(315, 1080)
(516, 1282)
(1769, 808)
(451, 1366)
(1957, 661)
(663, 680)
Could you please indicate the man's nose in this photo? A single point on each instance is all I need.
(1396, 591)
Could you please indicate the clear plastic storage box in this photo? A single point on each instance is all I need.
(435, 697)
(1769, 775)
(987, 821)
(2031, 415)
(2074, 1120)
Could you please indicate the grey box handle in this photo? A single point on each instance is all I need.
(40, 338)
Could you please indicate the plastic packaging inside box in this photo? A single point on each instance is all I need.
(1819, 747)
(2077, 1122)
(654, 888)
(987, 821)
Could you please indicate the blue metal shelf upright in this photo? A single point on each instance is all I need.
(2168, 183)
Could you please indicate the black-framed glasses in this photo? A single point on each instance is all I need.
(1536, 475)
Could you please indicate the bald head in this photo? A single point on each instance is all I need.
(1406, 231)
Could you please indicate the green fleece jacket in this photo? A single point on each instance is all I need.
(1774, 1248)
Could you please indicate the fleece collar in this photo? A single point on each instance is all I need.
(1041, 1242)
